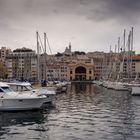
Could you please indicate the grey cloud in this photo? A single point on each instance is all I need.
(22, 16)
(92, 9)
(125, 10)
(100, 10)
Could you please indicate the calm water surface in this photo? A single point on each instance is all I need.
(85, 112)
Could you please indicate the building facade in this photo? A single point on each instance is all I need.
(53, 67)
(4, 51)
(80, 71)
(22, 64)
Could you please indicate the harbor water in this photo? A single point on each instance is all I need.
(84, 112)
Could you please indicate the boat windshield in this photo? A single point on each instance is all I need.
(29, 87)
(6, 89)
(21, 88)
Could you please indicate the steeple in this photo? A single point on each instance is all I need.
(70, 46)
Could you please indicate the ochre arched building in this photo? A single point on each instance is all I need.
(80, 71)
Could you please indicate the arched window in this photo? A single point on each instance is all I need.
(80, 70)
(80, 73)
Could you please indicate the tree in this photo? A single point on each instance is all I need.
(3, 70)
(79, 53)
(58, 54)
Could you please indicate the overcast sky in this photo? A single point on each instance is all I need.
(90, 25)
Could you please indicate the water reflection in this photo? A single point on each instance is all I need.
(23, 125)
(15, 118)
(83, 88)
(84, 112)
(97, 112)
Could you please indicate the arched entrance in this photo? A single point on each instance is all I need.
(80, 73)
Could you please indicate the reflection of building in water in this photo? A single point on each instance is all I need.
(85, 88)
(80, 87)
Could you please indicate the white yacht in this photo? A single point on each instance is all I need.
(26, 87)
(135, 90)
(134, 87)
(57, 86)
(12, 101)
(117, 86)
(63, 85)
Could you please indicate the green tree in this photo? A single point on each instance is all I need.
(3, 70)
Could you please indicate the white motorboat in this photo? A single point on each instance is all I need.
(58, 86)
(12, 101)
(63, 86)
(120, 86)
(135, 90)
(117, 86)
(99, 83)
(26, 87)
(110, 85)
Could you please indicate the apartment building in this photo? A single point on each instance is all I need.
(131, 68)
(22, 64)
(122, 67)
(53, 67)
(4, 51)
(101, 63)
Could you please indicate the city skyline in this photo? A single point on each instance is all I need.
(90, 25)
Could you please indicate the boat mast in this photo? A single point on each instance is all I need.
(38, 76)
(131, 51)
(129, 57)
(119, 45)
(45, 53)
(118, 75)
(124, 40)
(132, 29)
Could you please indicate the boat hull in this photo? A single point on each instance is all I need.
(135, 91)
(13, 104)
